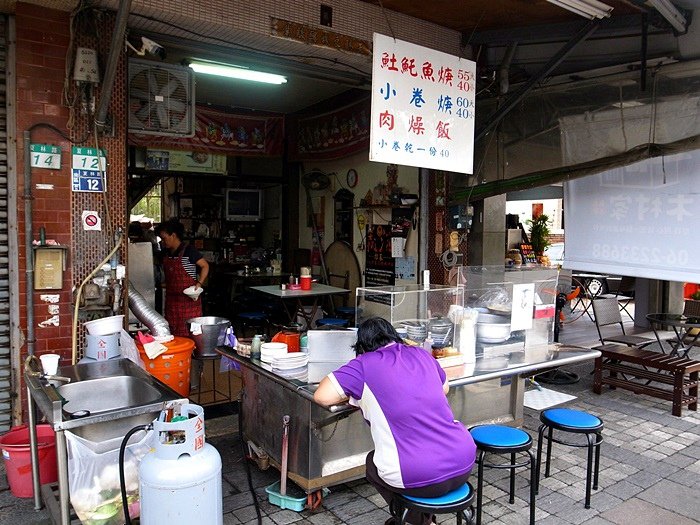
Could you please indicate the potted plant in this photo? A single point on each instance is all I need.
(539, 233)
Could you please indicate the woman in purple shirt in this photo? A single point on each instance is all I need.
(419, 448)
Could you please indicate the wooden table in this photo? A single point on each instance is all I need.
(297, 297)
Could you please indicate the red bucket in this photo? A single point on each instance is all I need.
(18, 458)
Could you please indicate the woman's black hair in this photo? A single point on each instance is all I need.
(172, 226)
(374, 333)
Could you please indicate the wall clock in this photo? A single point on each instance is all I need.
(351, 178)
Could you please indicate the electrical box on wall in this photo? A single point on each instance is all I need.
(85, 68)
(460, 217)
(49, 265)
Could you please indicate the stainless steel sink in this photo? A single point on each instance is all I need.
(111, 392)
(107, 394)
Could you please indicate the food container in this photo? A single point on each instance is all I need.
(208, 332)
(492, 328)
(105, 326)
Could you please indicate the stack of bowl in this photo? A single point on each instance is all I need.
(440, 330)
(416, 330)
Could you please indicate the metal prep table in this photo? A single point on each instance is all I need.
(329, 446)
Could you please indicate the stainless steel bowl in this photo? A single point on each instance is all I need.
(492, 328)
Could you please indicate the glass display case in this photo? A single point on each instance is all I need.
(412, 305)
(523, 299)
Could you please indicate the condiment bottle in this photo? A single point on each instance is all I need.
(255, 347)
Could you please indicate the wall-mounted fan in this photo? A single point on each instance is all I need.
(161, 98)
(316, 180)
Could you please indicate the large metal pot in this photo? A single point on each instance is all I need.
(492, 328)
(213, 334)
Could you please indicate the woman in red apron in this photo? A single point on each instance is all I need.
(183, 266)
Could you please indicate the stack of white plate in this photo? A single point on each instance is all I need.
(292, 366)
(270, 351)
(290, 361)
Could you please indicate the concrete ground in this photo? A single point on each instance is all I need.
(650, 464)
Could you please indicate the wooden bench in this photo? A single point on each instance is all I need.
(646, 368)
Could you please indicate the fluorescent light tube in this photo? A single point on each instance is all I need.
(672, 15)
(587, 8)
(209, 68)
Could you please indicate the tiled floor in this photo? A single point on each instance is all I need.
(650, 464)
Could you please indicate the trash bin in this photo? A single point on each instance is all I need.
(18, 458)
(173, 366)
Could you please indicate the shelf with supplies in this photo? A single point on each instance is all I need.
(385, 206)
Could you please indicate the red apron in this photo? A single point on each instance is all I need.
(178, 307)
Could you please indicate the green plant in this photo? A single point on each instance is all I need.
(539, 233)
(695, 295)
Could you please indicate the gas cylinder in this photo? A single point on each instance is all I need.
(180, 478)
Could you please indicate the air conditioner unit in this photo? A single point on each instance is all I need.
(161, 99)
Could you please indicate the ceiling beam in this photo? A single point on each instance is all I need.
(617, 26)
(493, 120)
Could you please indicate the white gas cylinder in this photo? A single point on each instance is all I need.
(180, 478)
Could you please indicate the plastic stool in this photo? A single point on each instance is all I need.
(253, 319)
(332, 321)
(500, 439)
(577, 422)
(346, 312)
(455, 502)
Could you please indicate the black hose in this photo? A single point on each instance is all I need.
(256, 504)
(122, 481)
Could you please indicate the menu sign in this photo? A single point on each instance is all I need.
(423, 104)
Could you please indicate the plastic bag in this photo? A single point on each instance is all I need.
(228, 364)
(498, 300)
(129, 349)
(93, 477)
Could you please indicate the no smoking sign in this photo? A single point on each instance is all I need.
(91, 221)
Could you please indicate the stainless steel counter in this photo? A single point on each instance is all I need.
(329, 446)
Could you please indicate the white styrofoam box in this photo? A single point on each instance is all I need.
(331, 345)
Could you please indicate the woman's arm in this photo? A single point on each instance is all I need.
(203, 266)
(326, 394)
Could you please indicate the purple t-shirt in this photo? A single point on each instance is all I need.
(399, 390)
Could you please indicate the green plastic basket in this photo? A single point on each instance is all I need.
(288, 501)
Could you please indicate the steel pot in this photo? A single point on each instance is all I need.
(492, 328)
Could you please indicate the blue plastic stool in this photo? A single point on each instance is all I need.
(255, 319)
(332, 321)
(577, 422)
(500, 439)
(346, 312)
(456, 502)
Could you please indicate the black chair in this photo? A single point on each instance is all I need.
(624, 294)
(607, 313)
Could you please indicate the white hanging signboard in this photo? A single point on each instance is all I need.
(422, 107)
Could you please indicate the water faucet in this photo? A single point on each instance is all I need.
(60, 379)
(32, 367)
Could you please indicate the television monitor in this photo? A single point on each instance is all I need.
(243, 205)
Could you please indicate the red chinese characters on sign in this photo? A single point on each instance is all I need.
(386, 120)
(422, 107)
(198, 442)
